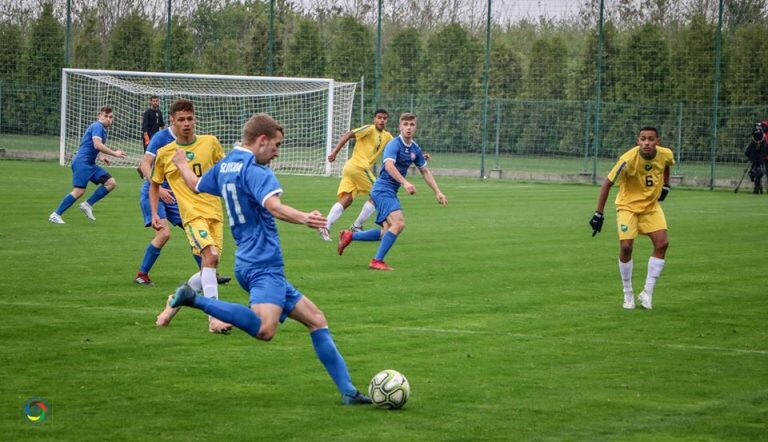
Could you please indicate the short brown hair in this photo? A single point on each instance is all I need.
(105, 110)
(407, 116)
(182, 104)
(260, 124)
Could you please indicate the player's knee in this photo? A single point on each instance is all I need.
(266, 333)
(163, 235)
(625, 250)
(111, 184)
(77, 192)
(661, 246)
(317, 320)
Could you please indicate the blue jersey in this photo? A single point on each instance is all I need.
(245, 186)
(160, 139)
(403, 155)
(87, 153)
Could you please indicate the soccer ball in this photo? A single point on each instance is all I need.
(389, 389)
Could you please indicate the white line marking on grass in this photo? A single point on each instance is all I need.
(570, 338)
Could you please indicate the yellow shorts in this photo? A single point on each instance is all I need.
(202, 232)
(355, 180)
(630, 224)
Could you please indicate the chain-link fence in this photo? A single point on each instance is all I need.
(514, 92)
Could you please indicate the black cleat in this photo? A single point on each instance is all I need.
(221, 279)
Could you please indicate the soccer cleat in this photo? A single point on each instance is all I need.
(355, 228)
(142, 279)
(355, 399)
(324, 234)
(379, 265)
(87, 210)
(345, 237)
(222, 280)
(184, 296)
(629, 301)
(645, 300)
(55, 218)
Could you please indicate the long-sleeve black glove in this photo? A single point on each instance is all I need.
(597, 223)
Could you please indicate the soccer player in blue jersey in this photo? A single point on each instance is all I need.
(167, 209)
(251, 194)
(84, 168)
(398, 156)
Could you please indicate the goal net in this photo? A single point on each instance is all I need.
(314, 112)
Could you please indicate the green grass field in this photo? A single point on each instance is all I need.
(503, 312)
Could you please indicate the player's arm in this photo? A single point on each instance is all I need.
(154, 196)
(146, 122)
(430, 180)
(597, 219)
(284, 212)
(343, 141)
(389, 165)
(665, 187)
(180, 160)
(101, 147)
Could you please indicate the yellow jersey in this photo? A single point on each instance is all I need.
(640, 180)
(202, 154)
(369, 143)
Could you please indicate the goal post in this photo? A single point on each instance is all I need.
(315, 112)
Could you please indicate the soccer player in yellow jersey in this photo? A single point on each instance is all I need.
(643, 176)
(201, 213)
(357, 177)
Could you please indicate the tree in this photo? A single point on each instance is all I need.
(642, 68)
(10, 51)
(182, 48)
(306, 51)
(89, 45)
(451, 63)
(401, 64)
(506, 75)
(131, 41)
(547, 76)
(42, 62)
(351, 55)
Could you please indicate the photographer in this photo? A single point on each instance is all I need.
(757, 150)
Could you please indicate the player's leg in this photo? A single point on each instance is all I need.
(209, 236)
(654, 224)
(107, 184)
(152, 252)
(364, 186)
(80, 177)
(392, 228)
(365, 212)
(306, 312)
(626, 222)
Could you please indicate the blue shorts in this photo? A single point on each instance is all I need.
(268, 285)
(83, 173)
(164, 211)
(386, 202)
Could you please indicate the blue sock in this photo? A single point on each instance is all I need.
(387, 241)
(367, 235)
(150, 256)
(198, 260)
(236, 314)
(100, 193)
(332, 360)
(66, 203)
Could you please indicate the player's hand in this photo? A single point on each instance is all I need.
(427, 156)
(157, 223)
(597, 223)
(180, 157)
(315, 220)
(664, 192)
(331, 157)
(410, 188)
(119, 154)
(106, 160)
(441, 199)
(166, 195)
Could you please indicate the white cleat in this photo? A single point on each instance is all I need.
(87, 210)
(353, 228)
(645, 300)
(55, 218)
(324, 234)
(629, 301)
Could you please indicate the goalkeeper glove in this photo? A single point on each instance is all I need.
(664, 192)
(597, 223)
